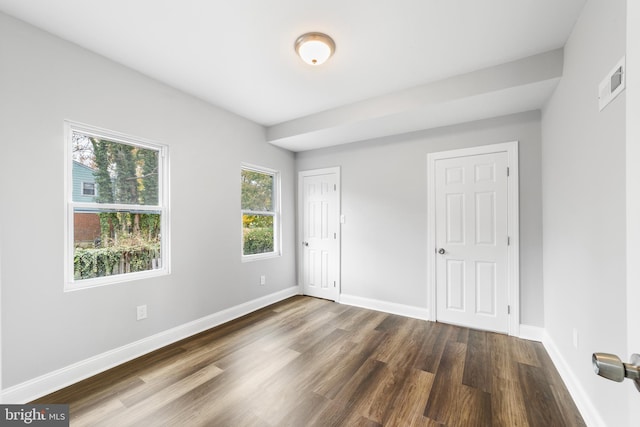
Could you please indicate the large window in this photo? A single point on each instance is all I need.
(260, 209)
(116, 209)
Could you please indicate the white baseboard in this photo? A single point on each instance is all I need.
(48, 383)
(387, 307)
(586, 407)
(532, 333)
(45, 384)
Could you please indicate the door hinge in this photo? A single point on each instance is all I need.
(508, 241)
(335, 235)
(335, 187)
(508, 309)
(507, 171)
(334, 283)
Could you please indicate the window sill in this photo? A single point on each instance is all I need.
(258, 257)
(110, 280)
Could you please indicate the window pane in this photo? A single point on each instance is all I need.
(257, 232)
(257, 191)
(122, 173)
(110, 242)
(88, 188)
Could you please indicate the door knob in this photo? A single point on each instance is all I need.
(305, 243)
(611, 367)
(441, 251)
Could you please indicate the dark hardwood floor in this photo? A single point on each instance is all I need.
(310, 362)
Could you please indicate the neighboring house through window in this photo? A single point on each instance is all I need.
(84, 182)
(85, 224)
(117, 208)
(260, 210)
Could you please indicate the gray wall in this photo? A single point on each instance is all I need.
(384, 200)
(584, 206)
(43, 81)
(572, 180)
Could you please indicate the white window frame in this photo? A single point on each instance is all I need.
(70, 284)
(277, 229)
(95, 187)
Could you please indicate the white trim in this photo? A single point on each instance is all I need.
(581, 398)
(48, 383)
(387, 307)
(114, 136)
(513, 250)
(276, 213)
(300, 254)
(532, 333)
(97, 282)
(632, 193)
(163, 206)
(2, 400)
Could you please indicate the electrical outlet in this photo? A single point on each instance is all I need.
(263, 280)
(141, 312)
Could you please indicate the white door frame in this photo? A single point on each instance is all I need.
(1, 383)
(513, 250)
(300, 251)
(633, 194)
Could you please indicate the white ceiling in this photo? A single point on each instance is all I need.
(238, 54)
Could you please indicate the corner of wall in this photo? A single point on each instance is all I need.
(385, 306)
(581, 398)
(531, 333)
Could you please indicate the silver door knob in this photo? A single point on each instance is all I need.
(610, 366)
(441, 251)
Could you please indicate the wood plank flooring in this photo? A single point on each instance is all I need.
(311, 362)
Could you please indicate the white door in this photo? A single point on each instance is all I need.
(320, 201)
(633, 197)
(471, 241)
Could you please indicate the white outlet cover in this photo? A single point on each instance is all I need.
(141, 312)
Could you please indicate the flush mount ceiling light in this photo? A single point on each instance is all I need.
(315, 48)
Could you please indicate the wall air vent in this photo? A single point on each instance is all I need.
(612, 85)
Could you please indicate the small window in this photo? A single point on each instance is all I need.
(117, 221)
(260, 211)
(88, 188)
